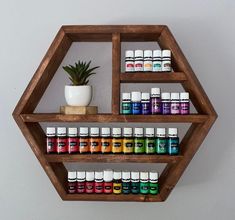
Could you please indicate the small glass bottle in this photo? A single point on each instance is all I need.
(139, 61)
(81, 180)
(108, 181)
(51, 140)
(84, 141)
(148, 60)
(126, 104)
(184, 103)
(157, 61)
(72, 184)
(144, 183)
(129, 61)
(106, 141)
(173, 141)
(73, 147)
(128, 141)
(156, 104)
(117, 141)
(90, 184)
(166, 103)
(117, 182)
(145, 103)
(135, 182)
(149, 141)
(139, 141)
(175, 103)
(153, 183)
(99, 182)
(161, 141)
(166, 61)
(136, 103)
(126, 182)
(95, 140)
(62, 143)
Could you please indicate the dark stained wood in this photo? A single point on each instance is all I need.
(112, 158)
(151, 77)
(56, 117)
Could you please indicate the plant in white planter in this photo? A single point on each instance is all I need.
(78, 93)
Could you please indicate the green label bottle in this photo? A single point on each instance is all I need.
(149, 141)
(161, 141)
(173, 141)
(144, 183)
(126, 103)
(153, 183)
(139, 146)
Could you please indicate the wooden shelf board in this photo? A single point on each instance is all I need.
(153, 77)
(56, 117)
(112, 158)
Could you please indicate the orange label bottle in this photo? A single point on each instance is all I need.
(84, 140)
(117, 141)
(106, 141)
(95, 140)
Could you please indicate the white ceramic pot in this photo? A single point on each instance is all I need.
(78, 95)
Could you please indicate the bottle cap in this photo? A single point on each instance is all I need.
(72, 175)
(126, 95)
(105, 131)
(117, 132)
(117, 175)
(161, 132)
(166, 95)
(98, 175)
(157, 53)
(129, 53)
(145, 96)
(90, 175)
(127, 132)
(81, 175)
(72, 131)
(108, 175)
(136, 96)
(126, 175)
(155, 91)
(135, 175)
(172, 132)
(184, 95)
(175, 95)
(153, 176)
(61, 131)
(138, 53)
(94, 131)
(166, 53)
(138, 132)
(149, 132)
(51, 131)
(148, 53)
(144, 175)
(83, 131)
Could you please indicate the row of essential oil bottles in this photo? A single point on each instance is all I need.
(116, 182)
(139, 143)
(137, 103)
(148, 61)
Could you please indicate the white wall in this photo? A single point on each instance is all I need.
(204, 30)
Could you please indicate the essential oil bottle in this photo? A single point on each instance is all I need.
(157, 61)
(126, 104)
(156, 104)
(145, 103)
(72, 184)
(106, 141)
(62, 143)
(139, 141)
(173, 141)
(84, 140)
(149, 141)
(144, 183)
(81, 179)
(117, 182)
(175, 103)
(117, 141)
(184, 103)
(99, 182)
(166, 103)
(129, 61)
(153, 183)
(51, 140)
(128, 141)
(95, 140)
(135, 182)
(166, 61)
(136, 103)
(73, 147)
(126, 182)
(148, 60)
(139, 61)
(108, 181)
(90, 182)
(161, 141)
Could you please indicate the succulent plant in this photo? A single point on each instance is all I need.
(80, 72)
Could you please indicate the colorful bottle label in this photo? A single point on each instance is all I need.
(157, 66)
(146, 108)
(135, 187)
(136, 108)
(72, 187)
(144, 187)
(173, 146)
(128, 145)
(90, 187)
(129, 66)
(126, 187)
(51, 145)
(84, 145)
(161, 146)
(73, 145)
(175, 108)
(106, 145)
(81, 187)
(117, 188)
(156, 106)
(166, 108)
(99, 187)
(108, 187)
(153, 188)
(150, 145)
(139, 145)
(117, 145)
(184, 108)
(95, 145)
(126, 108)
(62, 146)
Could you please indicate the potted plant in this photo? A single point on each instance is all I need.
(78, 93)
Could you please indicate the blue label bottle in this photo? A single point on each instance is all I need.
(173, 142)
(166, 103)
(136, 103)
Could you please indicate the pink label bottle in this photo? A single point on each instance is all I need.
(184, 103)
(90, 182)
(81, 179)
(175, 103)
(72, 183)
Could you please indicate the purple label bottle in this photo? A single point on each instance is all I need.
(136, 103)
(145, 103)
(175, 103)
(166, 103)
(184, 103)
(156, 104)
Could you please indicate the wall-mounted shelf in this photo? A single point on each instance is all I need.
(28, 121)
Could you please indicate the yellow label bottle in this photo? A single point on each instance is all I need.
(117, 182)
(128, 141)
(117, 141)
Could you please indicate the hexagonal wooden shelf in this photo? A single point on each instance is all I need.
(28, 121)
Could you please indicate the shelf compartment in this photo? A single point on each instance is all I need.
(112, 158)
(153, 77)
(56, 117)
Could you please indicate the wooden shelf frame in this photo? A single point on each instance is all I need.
(28, 121)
